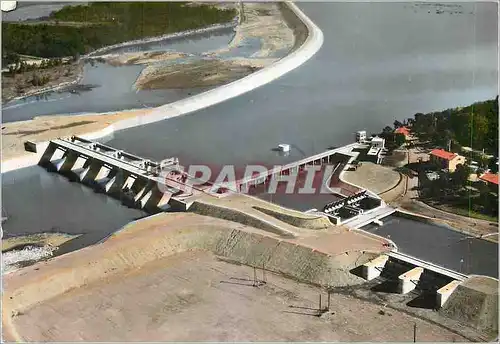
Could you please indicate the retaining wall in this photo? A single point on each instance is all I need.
(229, 214)
(319, 222)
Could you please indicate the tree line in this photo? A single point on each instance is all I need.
(109, 23)
(474, 126)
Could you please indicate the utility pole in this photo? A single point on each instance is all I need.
(254, 277)
(263, 274)
(414, 332)
(328, 304)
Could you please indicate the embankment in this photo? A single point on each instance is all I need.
(475, 302)
(238, 216)
(310, 222)
(310, 46)
(164, 235)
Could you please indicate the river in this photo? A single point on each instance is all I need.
(379, 62)
(112, 86)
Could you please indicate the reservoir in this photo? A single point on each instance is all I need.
(366, 75)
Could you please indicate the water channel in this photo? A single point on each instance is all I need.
(366, 75)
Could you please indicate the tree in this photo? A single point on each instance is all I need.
(387, 130)
(397, 124)
(492, 165)
(399, 139)
(460, 177)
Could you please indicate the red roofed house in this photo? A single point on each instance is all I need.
(446, 160)
(491, 179)
(403, 130)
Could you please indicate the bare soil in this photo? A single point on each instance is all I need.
(202, 73)
(376, 178)
(52, 239)
(45, 128)
(194, 296)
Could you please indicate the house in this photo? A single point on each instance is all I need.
(446, 160)
(375, 153)
(403, 130)
(491, 179)
(361, 136)
(378, 143)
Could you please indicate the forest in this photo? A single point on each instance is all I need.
(102, 24)
(474, 126)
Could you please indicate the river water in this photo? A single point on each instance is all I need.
(441, 245)
(112, 86)
(379, 62)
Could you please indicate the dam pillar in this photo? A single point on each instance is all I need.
(68, 162)
(48, 154)
(374, 268)
(409, 280)
(443, 293)
(90, 172)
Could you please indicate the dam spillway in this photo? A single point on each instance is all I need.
(132, 179)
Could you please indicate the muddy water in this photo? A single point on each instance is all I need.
(366, 75)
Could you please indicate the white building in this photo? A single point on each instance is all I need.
(361, 136)
(378, 143)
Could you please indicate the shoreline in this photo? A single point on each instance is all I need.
(57, 87)
(90, 56)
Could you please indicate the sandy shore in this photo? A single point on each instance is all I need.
(45, 128)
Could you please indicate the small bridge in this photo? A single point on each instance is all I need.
(412, 273)
(427, 265)
(295, 167)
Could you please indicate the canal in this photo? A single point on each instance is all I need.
(440, 245)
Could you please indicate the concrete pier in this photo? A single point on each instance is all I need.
(443, 293)
(409, 280)
(374, 268)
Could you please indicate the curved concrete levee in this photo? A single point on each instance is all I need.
(288, 63)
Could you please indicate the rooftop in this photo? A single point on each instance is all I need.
(402, 130)
(440, 153)
(490, 178)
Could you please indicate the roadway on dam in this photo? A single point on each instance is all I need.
(366, 75)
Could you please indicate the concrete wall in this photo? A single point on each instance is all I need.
(320, 222)
(235, 216)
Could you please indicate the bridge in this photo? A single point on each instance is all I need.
(415, 273)
(427, 265)
(294, 167)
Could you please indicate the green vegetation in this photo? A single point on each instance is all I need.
(454, 192)
(473, 126)
(111, 23)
